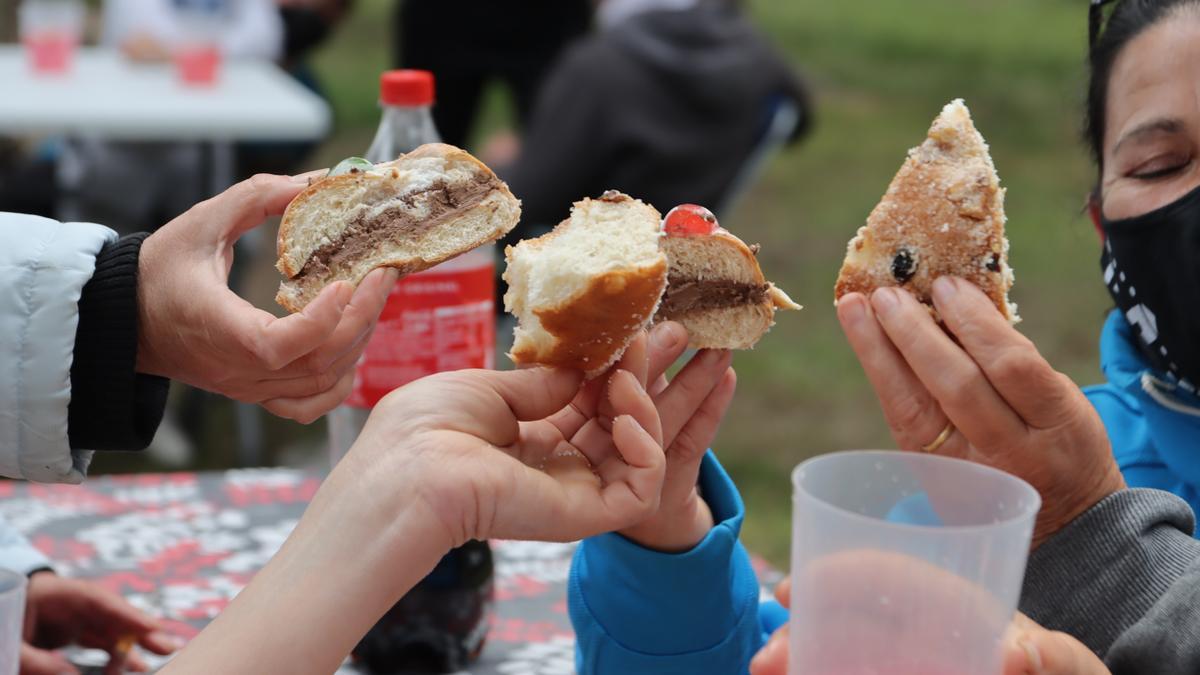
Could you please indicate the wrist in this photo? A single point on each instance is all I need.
(674, 530)
(418, 470)
(349, 557)
(1059, 511)
(147, 357)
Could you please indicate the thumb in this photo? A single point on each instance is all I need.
(36, 661)
(487, 404)
(533, 393)
(1033, 650)
(247, 204)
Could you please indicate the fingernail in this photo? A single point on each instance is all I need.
(944, 289)
(308, 176)
(390, 277)
(885, 301)
(853, 309)
(664, 336)
(345, 294)
(1032, 654)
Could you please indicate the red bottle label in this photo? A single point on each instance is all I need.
(433, 322)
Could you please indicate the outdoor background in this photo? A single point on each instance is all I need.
(881, 69)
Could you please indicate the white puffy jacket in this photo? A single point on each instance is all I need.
(44, 265)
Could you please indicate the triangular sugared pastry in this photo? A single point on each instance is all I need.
(942, 215)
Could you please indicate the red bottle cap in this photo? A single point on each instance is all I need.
(406, 87)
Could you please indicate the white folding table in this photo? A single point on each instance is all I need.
(107, 96)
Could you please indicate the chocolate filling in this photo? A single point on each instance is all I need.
(367, 233)
(689, 295)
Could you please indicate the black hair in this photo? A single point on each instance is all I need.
(1128, 20)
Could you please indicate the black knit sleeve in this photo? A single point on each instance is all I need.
(113, 407)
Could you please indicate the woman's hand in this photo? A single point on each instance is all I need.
(1029, 649)
(193, 328)
(691, 407)
(527, 454)
(1001, 402)
(61, 612)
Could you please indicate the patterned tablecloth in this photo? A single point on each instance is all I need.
(180, 546)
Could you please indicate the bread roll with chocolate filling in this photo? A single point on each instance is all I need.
(715, 286)
(412, 213)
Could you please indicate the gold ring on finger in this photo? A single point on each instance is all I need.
(941, 439)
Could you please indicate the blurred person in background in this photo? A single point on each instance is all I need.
(136, 186)
(8, 20)
(307, 24)
(467, 44)
(667, 101)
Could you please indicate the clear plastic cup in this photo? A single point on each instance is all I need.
(905, 564)
(12, 617)
(197, 63)
(51, 31)
(197, 52)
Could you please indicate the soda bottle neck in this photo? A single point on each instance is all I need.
(402, 129)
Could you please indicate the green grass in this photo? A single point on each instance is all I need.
(881, 69)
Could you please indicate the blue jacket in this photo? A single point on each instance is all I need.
(1154, 428)
(625, 600)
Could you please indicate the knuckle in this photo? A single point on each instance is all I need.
(688, 445)
(908, 412)
(1017, 364)
(960, 380)
(259, 182)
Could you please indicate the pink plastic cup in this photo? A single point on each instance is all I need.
(50, 30)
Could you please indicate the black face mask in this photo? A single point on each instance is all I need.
(1151, 266)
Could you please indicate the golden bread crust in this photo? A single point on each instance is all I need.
(595, 326)
(943, 214)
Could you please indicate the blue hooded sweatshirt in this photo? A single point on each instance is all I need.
(641, 611)
(1154, 427)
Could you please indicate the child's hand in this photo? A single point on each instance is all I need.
(691, 407)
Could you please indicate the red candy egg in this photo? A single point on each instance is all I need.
(689, 220)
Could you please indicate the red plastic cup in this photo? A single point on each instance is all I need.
(49, 52)
(198, 64)
(50, 30)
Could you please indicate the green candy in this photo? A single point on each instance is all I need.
(351, 165)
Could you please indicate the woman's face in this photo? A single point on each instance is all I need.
(1152, 137)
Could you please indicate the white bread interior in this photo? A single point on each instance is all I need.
(582, 292)
(414, 188)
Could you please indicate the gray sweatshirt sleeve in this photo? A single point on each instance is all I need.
(1124, 578)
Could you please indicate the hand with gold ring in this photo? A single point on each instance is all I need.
(982, 393)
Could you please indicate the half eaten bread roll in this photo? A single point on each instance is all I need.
(582, 292)
(412, 213)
